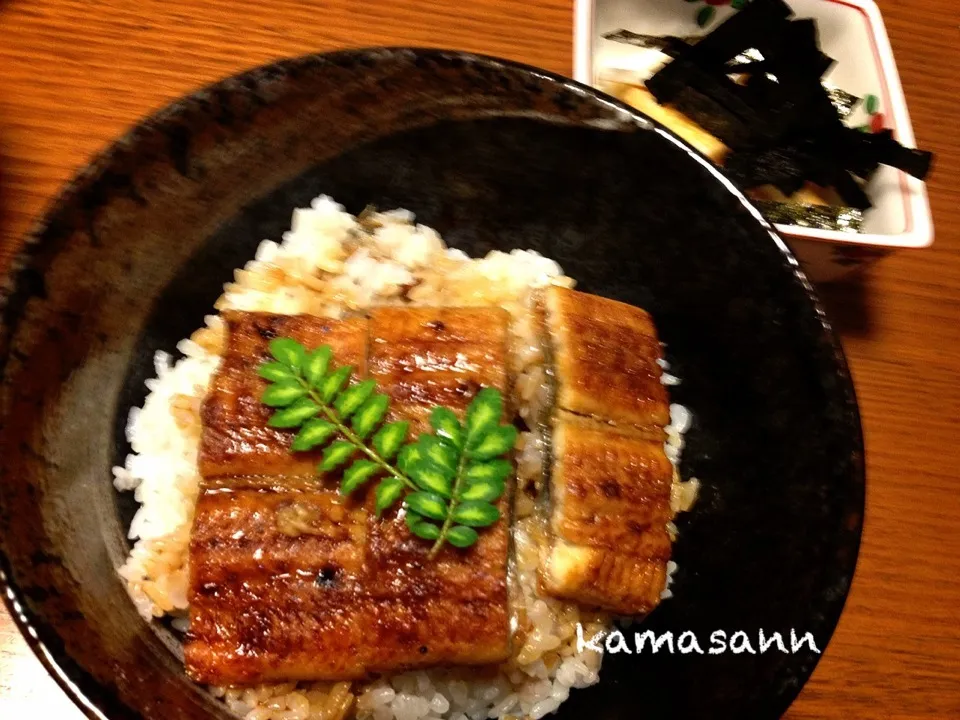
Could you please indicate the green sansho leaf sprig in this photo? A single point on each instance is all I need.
(449, 480)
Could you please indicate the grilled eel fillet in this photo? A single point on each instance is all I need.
(236, 439)
(291, 581)
(609, 485)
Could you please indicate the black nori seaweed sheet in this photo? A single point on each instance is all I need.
(783, 131)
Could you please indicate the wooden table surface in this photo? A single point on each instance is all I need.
(76, 73)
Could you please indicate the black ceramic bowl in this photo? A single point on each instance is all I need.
(493, 155)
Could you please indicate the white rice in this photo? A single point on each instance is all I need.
(330, 263)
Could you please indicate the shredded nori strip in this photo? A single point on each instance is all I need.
(822, 217)
(780, 123)
(749, 61)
